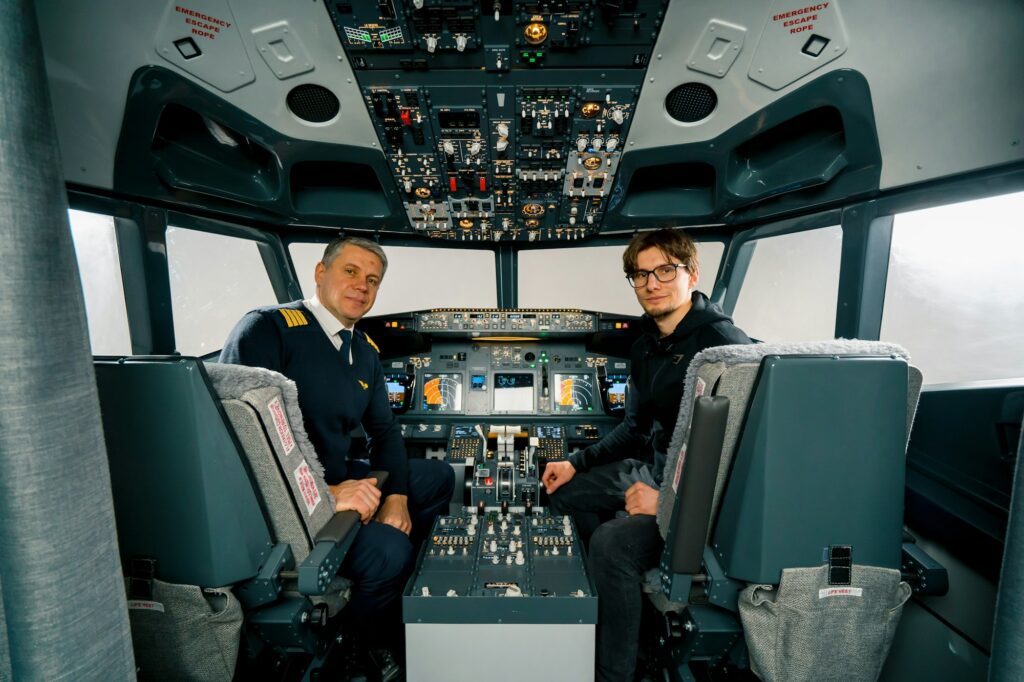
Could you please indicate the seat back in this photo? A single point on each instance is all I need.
(263, 408)
(183, 492)
(812, 453)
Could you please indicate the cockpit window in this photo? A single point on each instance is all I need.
(215, 279)
(591, 278)
(791, 287)
(955, 291)
(418, 278)
(99, 269)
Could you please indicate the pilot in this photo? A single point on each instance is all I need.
(617, 479)
(341, 385)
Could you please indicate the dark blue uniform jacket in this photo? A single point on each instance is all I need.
(335, 398)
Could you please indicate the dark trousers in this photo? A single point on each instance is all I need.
(621, 550)
(381, 557)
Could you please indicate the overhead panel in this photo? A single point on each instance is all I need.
(503, 121)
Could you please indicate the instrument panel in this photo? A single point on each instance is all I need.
(490, 379)
(519, 113)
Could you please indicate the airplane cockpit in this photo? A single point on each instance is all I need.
(832, 500)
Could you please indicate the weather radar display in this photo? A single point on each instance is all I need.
(442, 392)
(574, 393)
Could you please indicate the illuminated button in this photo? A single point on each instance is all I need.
(453, 184)
(406, 118)
(483, 184)
(488, 481)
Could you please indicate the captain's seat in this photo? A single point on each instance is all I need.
(223, 515)
(782, 508)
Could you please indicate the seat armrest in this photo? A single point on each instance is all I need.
(924, 574)
(330, 547)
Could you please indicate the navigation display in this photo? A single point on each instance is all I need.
(513, 392)
(573, 393)
(442, 392)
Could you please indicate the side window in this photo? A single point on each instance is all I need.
(954, 297)
(591, 278)
(215, 280)
(417, 278)
(100, 273)
(791, 287)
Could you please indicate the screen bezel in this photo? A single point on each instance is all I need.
(496, 390)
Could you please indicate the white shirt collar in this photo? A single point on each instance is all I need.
(328, 322)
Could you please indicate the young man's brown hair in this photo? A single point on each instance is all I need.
(673, 243)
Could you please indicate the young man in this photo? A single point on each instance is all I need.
(341, 386)
(680, 322)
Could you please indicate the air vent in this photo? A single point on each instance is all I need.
(691, 102)
(313, 103)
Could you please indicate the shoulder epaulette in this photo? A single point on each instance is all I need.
(293, 318)
(370, 341)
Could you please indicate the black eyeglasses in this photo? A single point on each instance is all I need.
(662, 273)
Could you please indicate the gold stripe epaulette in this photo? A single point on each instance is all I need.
(294, 318)
(370, 341)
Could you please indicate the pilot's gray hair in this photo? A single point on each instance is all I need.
(335, 247)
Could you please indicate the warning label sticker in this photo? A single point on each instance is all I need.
(143, 605)
(307, 487)
(200, 24)
(284, 431)
(802, 18)
(679, 469)
(841, 592)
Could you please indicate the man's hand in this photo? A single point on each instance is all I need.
(361, 496)
(395, 512)
(641, 499)
(557, 474)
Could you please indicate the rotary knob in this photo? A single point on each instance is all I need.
(431, 43)
(460, 43)
(581, 144)
(612, 143)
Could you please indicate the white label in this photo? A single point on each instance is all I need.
(284, 431)
(679, 469)
(841, 592)
(698, 389)
(143, 605)
(307, 487)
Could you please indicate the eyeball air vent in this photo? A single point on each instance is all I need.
(691, 102)
(313, 103)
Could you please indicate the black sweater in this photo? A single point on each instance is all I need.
(657, 372)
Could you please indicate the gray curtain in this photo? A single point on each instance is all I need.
(61, 595)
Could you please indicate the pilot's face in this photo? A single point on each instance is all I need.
(348, 286)
(659, 299)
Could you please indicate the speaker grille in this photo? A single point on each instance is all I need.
(691, 102)
(313, 103)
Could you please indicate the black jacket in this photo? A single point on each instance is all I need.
(657, 372)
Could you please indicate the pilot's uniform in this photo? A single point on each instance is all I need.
(336, 396)
(623, 549)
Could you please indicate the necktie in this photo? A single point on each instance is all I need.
(346, 346)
